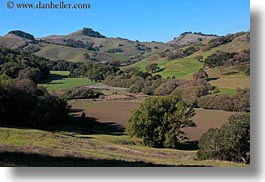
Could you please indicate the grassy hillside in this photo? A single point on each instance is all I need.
(59, 81)
(188, 38)
(73, 46)
(227, 84)
(180, 68)
(27, 147)
(12, 43)
(110, 49)
(237, 45)
(57, 52)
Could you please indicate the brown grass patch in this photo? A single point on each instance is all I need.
(206, 119)
(232, 82)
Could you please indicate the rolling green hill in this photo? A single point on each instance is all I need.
(185, 67)
(180, 68)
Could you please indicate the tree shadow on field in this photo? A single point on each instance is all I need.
(89, 125)
(20, 159)
(212, 79)
(54, 77)
(188, 145)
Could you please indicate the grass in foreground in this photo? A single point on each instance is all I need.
(60, 81)
(28, 147)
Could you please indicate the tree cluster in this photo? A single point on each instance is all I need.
(15, 64)
(240, 60)
(22, 34)
(179, 53)
(22, 103)
(142, 47)
(92, 33)
(222, 40)
(114, 50)
(80, 44)
(191, 91)
(81, 93)
(238, 102)
(95, 72)
(217, 42)
(138, 81)
(151, 68)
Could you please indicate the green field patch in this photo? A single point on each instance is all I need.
(180, 68)
(60, 81)
(227, 91)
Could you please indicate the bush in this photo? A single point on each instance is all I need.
(81, 93)
(158, 121)
(231, 142)
(152, 67)
(166, 87)
(200, 75)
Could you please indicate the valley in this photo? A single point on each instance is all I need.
(82, 89)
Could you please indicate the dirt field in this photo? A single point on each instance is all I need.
(107, 111)
(206, 119)
(120, 111)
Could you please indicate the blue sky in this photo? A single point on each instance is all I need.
(143, 20)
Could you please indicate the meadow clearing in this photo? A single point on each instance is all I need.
(60, 81)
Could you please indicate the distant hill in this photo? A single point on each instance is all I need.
(191, 38)
(91, 46)
(85, 45)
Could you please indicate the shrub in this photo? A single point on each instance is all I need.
(231, 142)
(200, 75)
(82, 93)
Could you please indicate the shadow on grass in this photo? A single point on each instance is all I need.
(54, 77)
(188, 145)
(19, 159)
(89, 125)
(159, 70)
(212, 79)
